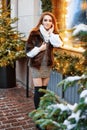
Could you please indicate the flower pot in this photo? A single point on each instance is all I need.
(7, 77)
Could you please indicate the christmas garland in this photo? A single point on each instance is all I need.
(68, 64)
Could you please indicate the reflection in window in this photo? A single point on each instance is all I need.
(81, 15)
(78, 10)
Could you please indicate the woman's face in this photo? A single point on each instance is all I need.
(47, 22)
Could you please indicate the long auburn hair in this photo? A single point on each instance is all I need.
(41, 19)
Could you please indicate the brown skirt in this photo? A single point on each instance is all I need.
(43, 72)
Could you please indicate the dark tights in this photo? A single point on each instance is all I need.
(38, 95)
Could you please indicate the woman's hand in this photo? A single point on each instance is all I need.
(51, 29)
(42, 47)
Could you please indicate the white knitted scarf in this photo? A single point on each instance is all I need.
(53, 38)
(45, 33)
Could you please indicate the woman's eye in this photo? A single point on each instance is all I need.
(47, 20)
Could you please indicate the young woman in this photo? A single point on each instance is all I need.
(39, 49)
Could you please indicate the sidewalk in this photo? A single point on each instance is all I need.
(14, 109)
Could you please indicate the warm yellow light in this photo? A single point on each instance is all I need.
(67, 0)
(65, 39)
(63, 15)
(66, 32)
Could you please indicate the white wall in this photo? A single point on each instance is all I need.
(28, 12)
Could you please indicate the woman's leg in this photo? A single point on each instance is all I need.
(39, 83)
(45, 81)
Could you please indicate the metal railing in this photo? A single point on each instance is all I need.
(71, 94)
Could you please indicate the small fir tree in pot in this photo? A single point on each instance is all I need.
(11, 46)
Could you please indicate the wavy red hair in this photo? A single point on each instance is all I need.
(41, 19)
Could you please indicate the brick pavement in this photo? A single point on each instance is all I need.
(14, 109)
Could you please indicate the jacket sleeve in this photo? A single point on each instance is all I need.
(31, 49)
(33, 52)
(29, 44)
(55, 40)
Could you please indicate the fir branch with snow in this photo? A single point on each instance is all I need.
(62, 116)
(72, 80)
(80, 31)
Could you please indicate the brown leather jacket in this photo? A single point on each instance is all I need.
(36, 39)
